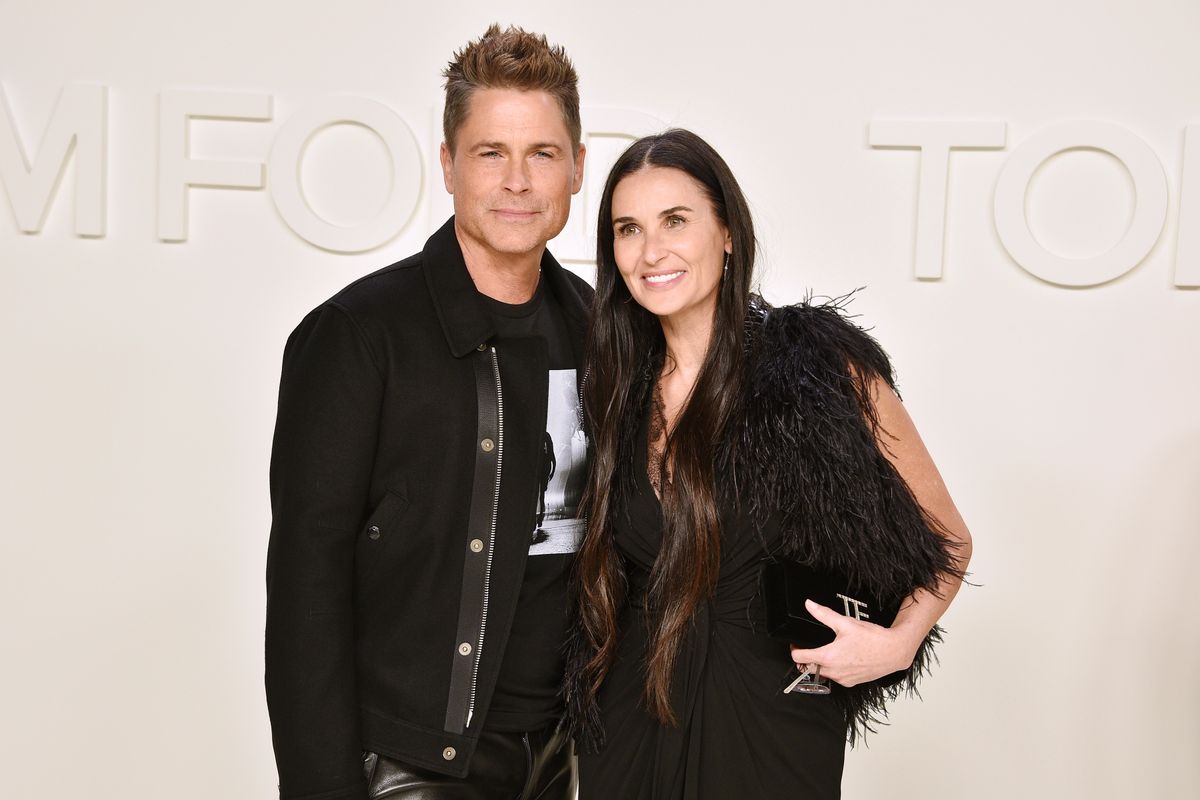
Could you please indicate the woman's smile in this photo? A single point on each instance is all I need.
(664, 280)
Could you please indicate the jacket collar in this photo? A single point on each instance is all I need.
(576, 308)
(465, 320)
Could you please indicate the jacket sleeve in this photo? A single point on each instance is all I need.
(330, 396)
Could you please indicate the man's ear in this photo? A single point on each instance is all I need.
(447, 160)
(577, 182)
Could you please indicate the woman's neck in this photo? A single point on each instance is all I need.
(687, 336)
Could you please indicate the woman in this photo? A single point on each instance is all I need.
(726, 432)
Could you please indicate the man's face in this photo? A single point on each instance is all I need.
(512, 173)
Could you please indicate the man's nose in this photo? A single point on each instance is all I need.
(516, 177)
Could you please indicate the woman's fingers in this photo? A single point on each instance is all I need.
(861, 651)
(827, 616)
(802, 657)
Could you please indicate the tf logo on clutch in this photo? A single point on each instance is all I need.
(854, 608)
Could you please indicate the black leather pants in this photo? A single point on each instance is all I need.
(506, 766)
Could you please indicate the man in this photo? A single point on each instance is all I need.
(425, 473)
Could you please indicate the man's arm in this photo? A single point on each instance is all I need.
(325, 439)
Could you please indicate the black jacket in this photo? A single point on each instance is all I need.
(403, 490)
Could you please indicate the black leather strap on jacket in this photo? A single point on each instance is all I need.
(479, 543)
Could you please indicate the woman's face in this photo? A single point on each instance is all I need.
(669, 245)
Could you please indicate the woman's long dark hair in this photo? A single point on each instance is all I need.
(625, 353)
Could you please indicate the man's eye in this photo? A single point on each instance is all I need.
(543, 154)
(674, 221)
(490, 154)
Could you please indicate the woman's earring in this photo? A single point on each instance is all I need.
(726, 269)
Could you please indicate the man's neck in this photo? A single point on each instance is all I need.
(507, 277)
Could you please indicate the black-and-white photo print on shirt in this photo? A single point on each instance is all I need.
(557, 528)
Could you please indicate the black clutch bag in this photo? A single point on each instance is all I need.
(787, 584)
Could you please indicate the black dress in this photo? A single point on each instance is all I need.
(739, 736)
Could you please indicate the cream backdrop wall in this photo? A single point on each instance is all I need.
(139, 375)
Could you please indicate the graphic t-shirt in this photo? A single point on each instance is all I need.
(526, 696)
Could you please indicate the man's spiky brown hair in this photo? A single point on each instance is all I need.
(512, 58)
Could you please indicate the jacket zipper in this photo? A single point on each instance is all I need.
(587, 371)
(487, 570)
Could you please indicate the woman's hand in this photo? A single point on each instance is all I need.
(862, 651)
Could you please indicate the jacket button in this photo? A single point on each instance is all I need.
(449, 754)
(476, 545)
(465, 648)
(482, 347)
(373, 532)
(487, 445)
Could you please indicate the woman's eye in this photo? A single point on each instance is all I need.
(627, 230)
(674, 221)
